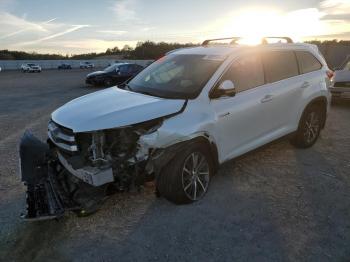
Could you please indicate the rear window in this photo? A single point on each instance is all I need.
(280, 65)
(307, 62)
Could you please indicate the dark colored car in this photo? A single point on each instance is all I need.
(114, 74)
(64, 66)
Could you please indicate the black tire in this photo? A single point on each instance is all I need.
(171, 181)
(310, 126)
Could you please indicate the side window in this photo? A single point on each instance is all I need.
(124, 69)
(280, 65)
(136, 68)
(307, 62)
(246, 73)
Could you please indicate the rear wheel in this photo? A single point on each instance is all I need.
(309, 128)
(186, 178)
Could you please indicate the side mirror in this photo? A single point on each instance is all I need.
(226, 88)
(117, 71)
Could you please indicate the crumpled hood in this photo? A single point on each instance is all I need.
(342, 76)
(97, 73)
(113, 108)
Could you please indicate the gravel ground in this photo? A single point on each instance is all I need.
(275, 204)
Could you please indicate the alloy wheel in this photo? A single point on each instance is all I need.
(195, 176)
(312, 127)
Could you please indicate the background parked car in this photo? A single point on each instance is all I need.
(29, 68)
(64, 66)
(86, 65)
(341, 81)
(114, 74)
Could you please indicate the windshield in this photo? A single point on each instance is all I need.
(110, 68)
(176, 76)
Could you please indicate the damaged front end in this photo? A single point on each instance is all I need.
(76, 171)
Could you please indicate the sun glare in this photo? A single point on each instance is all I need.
(254, 23)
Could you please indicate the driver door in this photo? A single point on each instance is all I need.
(242, 120)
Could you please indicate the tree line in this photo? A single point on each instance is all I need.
(143, 50)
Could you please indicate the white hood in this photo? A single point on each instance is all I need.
(113, 108)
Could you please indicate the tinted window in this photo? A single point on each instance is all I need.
(126, 69)
(280, 65)
(111, 68)
(246, 73)
(136, 68)
(307, 62)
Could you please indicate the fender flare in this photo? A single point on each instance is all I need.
(161, 157)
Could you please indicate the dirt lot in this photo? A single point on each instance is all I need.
(275, 204)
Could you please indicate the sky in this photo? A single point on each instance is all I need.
(82, 26)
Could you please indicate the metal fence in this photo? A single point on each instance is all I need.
(53, 64)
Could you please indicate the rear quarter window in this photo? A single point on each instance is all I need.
(307, 62)
(279, 65)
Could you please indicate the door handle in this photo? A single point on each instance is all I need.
(267, 98)
(305, 85)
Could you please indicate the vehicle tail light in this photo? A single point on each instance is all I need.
(330, 74)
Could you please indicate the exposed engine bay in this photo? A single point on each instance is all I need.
(77, 171)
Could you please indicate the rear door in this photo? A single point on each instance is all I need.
(284, 91)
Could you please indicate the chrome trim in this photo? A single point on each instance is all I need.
(52, 127)
(73, 148)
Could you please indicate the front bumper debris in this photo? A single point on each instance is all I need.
(46, 198)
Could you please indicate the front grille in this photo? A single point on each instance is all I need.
(62, 137)
(342, 84)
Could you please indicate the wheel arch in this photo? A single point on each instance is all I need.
(322, 103)
(165, 155)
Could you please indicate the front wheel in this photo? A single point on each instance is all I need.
(107, 83)
(186, 178)
(309, 128)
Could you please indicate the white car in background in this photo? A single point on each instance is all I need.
(175, 123)
(86, 65)
(340, 86)
(30, 68)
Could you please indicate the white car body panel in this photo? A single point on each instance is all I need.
(250, 123)
(236, 125)
(113, 108)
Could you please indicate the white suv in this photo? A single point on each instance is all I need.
(86, 65)
(186, 114)
(30, 67)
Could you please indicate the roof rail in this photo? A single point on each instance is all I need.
(235, 39)
(288, 39)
